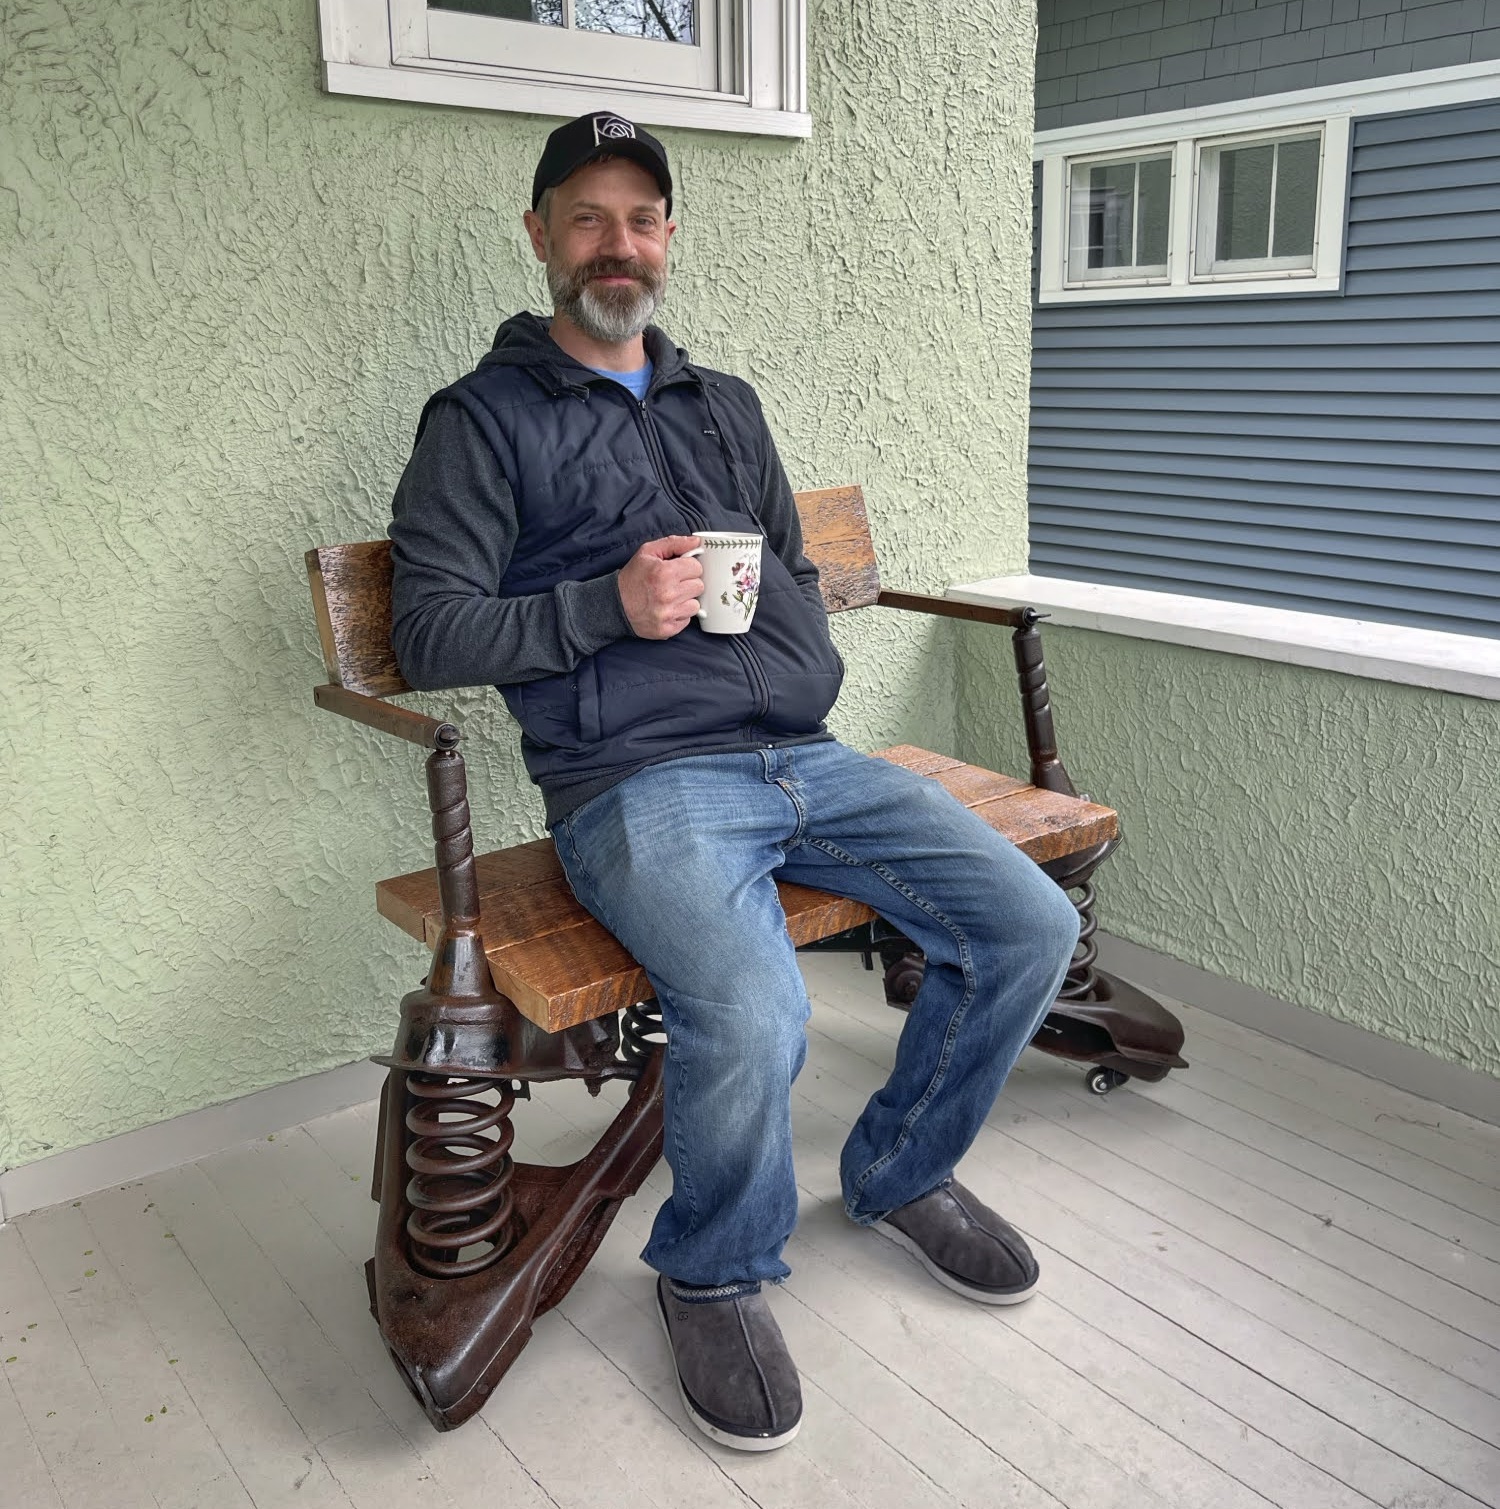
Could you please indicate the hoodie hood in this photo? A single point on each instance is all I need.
(525, 340)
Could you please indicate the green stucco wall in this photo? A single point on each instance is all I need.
(225, 297)
(1332, 841)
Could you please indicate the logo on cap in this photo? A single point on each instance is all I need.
(612, 128)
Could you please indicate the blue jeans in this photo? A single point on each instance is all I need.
(680, 861)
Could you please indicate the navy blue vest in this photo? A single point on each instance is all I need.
(595, 474)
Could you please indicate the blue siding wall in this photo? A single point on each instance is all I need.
(1107, 59)
(1335, 454)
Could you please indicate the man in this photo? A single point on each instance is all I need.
(543, 536)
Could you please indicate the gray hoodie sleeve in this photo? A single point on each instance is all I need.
(452, 532)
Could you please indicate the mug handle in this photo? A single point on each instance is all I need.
(696, 550)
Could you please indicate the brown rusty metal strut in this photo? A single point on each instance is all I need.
(472, 1246)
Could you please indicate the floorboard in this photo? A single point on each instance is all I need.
(1448, 1137)
(84, 1448)
(1268, 1283)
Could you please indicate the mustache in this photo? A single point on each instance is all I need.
(615, 267)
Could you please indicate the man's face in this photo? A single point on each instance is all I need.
(605, 245)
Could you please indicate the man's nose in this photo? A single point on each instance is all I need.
(617, 240)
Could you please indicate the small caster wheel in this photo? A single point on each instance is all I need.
(903, 979)
(1101, 1081)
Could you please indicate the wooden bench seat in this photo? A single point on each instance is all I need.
(560, 967)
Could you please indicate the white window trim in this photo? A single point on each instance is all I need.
(1464, 663)
(362, 57)
(1207, 155)
(1182, 281)
(1336, 105)
(1074, 220)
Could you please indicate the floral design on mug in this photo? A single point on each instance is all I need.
(746, 589)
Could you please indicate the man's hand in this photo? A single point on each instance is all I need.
(660, 586)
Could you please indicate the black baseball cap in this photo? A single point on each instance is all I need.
(599, 134)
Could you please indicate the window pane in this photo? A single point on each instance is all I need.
(659, 20)
(1154, 212)
(545, 12)
(1111, 230)
(1244, 202)
(1296, 197)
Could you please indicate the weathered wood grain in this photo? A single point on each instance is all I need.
(972, 784)
(923, 761)
(351, 587)
(836, 538)
(561, 967)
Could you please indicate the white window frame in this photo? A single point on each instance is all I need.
(1077, 219)
(1332, 108)
(1208, 266)
(1192, 219)
(755, 53)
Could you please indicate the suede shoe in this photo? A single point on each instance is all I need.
(962, 1243)
(737, 1381)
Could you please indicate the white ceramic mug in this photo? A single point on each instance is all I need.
(731, 580)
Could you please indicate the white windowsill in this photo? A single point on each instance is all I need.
(1382, 652)
(477, 91)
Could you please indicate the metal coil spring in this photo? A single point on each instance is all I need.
(1078, 984)
(459, 1189)
(641, 1032)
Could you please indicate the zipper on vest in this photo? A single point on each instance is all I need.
(757, 676)
(754, 671)
(659, 461)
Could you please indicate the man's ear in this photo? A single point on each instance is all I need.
(537, 231)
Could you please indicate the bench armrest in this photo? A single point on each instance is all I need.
(388, 717)
(1047, 770)
(945, 607)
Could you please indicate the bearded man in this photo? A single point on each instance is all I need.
(542, 539)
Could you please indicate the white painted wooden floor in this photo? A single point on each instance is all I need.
(1265, 1281)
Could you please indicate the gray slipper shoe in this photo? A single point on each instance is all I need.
(738, 1383)
(962, 1243)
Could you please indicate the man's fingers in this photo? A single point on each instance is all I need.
(661, 586)
(670, 547)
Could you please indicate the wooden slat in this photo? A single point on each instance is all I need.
(561, 967)
(922, 761)
(972, 784)
(836, 537)
(1045, 826)
(407, 899)
(351, 586)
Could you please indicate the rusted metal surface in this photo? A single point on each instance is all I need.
(453, 1330)
(1047, 769)
(471, 1245)
(1101, 1019)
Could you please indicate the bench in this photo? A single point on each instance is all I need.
(525, 986)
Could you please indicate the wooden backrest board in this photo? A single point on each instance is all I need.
(351, 587)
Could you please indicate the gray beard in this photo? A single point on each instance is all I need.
(609, 316)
